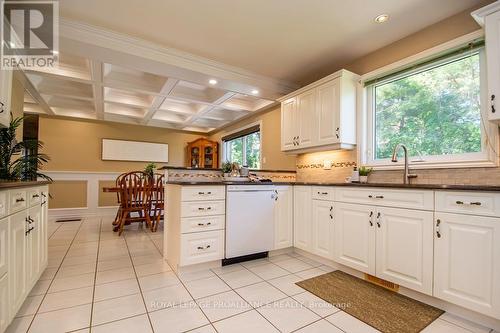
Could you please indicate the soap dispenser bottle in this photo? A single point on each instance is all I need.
(355, 175)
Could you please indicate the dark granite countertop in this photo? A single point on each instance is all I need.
(210, 169)
(369, 185)
(9, 185)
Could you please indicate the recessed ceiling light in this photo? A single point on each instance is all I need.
(255, 91)
(212, 81)
(382, 18)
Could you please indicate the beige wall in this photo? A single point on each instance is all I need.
(68, 194)
(75, 145)
(272, 157)
(17, 104)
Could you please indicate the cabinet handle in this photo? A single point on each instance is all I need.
(331, 208)
(35, 196)
(331, 217)
(379, 197)
(473, 203)
(493, 110)
(20, 200)
(204, 224)
(438, 228)
(203, 247)
(378, 219)
(203, 208)
(370, 220)
(201, 193)
(337, 134)
(370, 196)
(1, 107)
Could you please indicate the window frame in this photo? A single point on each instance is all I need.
(486, 158)
(224, 143)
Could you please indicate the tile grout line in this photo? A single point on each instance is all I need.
(57, 271)
(182, 282)
(95, 275)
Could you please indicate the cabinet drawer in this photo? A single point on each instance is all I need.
(34, 196)
(4, 203)
(476, 203)
(323, 193)
(196, 224)
(4, 245)
(202, 247)
(413, 199)
(199, 193)
(203, 208)
(18, 201)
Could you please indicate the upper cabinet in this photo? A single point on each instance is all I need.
(5, 92)
(489, 18)
(320, 116)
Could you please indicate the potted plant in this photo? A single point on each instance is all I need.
(20, 161)
(150, 169)
(363, 174)
(227, 168)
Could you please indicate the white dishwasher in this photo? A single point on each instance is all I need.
(249, 220)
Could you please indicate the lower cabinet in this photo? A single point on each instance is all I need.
(302, 215)
(33, 245)
(322, 228)
(283, 218)
(467, 261)
(391, 243)
(4, 303)
(355, 236)
(4, 245)
(17, 267)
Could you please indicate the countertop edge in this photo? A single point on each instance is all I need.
(485, 188)
(10, 185)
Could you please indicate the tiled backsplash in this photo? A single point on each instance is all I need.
(216, 175)
(309, 169)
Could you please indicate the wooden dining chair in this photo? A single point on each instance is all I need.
(118, 199)
(135, 188)
(157, 201)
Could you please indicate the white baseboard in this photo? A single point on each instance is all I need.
(68, 213)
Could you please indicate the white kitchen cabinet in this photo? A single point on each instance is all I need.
(404, 250)
(489, 18)
(323, 228)
(289, 124)
(5, 96)
(33, 244)
(17, 264)
(321, 115)
(302, 215)
(283, 218)
(354, 236)
(4, 302)
(306, 108)
(467, 261)
(4, 245)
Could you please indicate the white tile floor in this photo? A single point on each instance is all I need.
(99, 282)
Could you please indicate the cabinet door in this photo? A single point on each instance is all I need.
(5, 91)
(302, 227)
(4, 302)
(33, 246)
(283, 218)
(354, 236)
(492, 26)
(322, 228)
(44, 234)
(467, 262)
(289, 130)
(17, 268)
(328, 108)
(404, 247)
(306, 114)
(4, 245)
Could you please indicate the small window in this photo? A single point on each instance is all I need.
(435, 110)
(243, 147)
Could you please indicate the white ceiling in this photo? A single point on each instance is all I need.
(149, 62)
(293, 40)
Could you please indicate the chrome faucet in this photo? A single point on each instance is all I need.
(407, 175)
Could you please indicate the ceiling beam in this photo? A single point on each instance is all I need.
(21, 76)
(158, 100)
(96, 70)
(207, 109)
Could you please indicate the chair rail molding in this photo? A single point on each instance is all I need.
(92, 180)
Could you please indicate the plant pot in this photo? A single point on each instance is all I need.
(227, 174)
(363, 179)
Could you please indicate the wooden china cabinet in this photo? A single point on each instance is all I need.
(203, 153)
